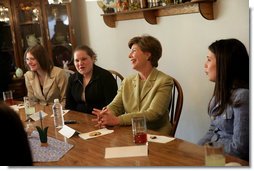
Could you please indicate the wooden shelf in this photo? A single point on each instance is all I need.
(204, 7)
(29, 23)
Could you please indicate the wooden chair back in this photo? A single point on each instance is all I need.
(175, 106)
(119, 78)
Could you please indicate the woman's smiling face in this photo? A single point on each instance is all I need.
(138, 58)
(32, 63)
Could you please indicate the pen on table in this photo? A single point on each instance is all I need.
(99, 116)
(104, 109)
(101, 112)
(41, 119)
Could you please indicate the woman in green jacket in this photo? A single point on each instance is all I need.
(145, 93)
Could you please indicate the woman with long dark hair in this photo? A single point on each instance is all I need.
(227, 66)
(44, 81)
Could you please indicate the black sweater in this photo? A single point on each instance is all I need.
(99, 92)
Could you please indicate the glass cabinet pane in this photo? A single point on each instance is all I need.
(25, 23)
(30, 23)
(59, 35)
(6, 38)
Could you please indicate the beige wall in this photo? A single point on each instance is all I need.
(184, 38)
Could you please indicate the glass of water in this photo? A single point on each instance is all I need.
(29, 105)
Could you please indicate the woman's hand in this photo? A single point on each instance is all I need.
(97, 112)
(105, 117)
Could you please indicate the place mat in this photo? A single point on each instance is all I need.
(96, 133)
(53, 152)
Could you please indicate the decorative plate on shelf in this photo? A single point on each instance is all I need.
(108, 6)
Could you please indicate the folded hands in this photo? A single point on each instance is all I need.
(104, 118)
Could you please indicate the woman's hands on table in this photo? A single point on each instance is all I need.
(105, 117)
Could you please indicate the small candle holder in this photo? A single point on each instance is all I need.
(43, 134)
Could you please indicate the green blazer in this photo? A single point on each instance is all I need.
(152, 101)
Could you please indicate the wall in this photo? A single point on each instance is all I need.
(184, 38)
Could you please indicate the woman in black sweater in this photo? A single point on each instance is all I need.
(91, 86)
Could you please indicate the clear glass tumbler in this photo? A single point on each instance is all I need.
(29, 110)
(214, 154)
(139, 130)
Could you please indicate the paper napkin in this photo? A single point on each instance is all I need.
(36, 116)
(159, 138)
(21, 105)
(67, 131)
(15, 108)
(64, 112)
(126, 151)
(96, 133)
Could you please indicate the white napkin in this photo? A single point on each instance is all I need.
(126, 151)
(159, 138)
(67, 131)
(102, 131)
(15, 108)
(36, 116)
(21, 105)
(64, 112)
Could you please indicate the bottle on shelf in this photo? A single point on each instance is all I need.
(58, 114)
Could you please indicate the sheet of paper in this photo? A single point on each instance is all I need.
(159, 138)
(126, 151)
(36, 116)
(64, 112)
(15, 108)
(21, 105)
(67, 131)
(95, 133)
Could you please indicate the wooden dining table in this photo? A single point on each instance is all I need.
(91, 152)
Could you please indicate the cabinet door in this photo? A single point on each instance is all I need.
(7, 37)
(29, 26)
(61, 40)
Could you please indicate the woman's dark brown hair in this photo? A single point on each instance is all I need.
(15, 149)
(86, 49)
(232, 68)
(148, 44)
(41, 55)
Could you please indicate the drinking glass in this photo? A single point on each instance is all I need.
(29, 110)
(8, 98)
(214, 154)
(139, 130)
